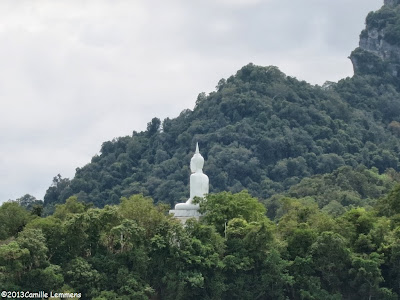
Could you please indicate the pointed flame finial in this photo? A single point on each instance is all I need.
(197, 148)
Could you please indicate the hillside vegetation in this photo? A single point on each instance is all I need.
(260, 130)
(135, 250)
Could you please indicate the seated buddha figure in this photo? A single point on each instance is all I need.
(199, 182)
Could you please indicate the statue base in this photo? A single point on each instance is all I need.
(184, 214)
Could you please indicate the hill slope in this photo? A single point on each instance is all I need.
(260, 130)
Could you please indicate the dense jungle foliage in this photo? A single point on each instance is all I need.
(135, 250)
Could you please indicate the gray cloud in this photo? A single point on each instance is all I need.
(77, 73)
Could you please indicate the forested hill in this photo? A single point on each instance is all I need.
(259, 130)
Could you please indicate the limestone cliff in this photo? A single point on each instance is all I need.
(379, 49)
(391, 3)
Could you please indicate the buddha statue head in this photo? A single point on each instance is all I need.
(197, 161)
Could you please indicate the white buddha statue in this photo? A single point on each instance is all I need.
(199, 183)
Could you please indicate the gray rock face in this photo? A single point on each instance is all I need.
(378, 52)
(376, 44)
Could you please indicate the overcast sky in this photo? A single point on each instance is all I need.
(74, 74)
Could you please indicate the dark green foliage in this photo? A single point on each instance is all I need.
(331, 260)
(346, 186)
(13, 218)
(381, 18)
(368, 63)
(219, 209)
(59, 191)
(30, 203)
(300, 241)
(390, 204)
(367, 275)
